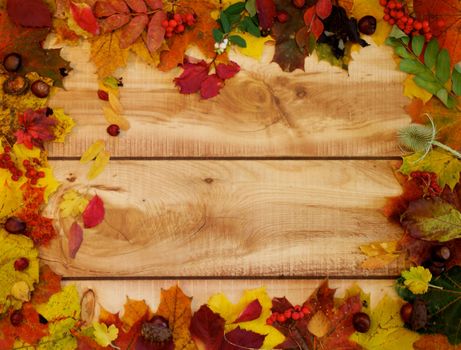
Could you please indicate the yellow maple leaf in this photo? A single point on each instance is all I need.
(133, 311)
(380, 254)
(107, 55)
(219, 303)
(11, 198)
(417, 279)
(175, 306)
(64, 125)
(412, 90)
(139, 48)
(255, 46)
(72, 204)
(363, 8)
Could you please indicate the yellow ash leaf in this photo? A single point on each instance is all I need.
(133, 311)
(92, 152)
(113, 118)
(255, 46)
(64, 125)
(387, 331)
(140, 50)
(65, 303)
(14, 283)
(417, 279)
(104, 335)
(72, 204)
(99, 164)
(115, 103)
(230, 312)
(412, 90)
(363, 8)
(319, 324)
(107, 55)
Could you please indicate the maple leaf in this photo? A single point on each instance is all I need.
(227, 71)
(72, 204)
(64, 304)
(49, 284)
(35, 127)
(192, 77)
(207, 329)
(380, 254)
(413, 90)
(107, 55)
(434, 342)
(94, 212)
(28, 43)
(387, 331)
(443, 304)
(448, 11)
(64, 125)
(104, 335)
(29, 13)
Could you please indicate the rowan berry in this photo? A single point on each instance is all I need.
(172, 23)
(295, 316)
(165, 23)
(391, 4)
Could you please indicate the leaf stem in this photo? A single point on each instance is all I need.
(446, 148)
(435, 287)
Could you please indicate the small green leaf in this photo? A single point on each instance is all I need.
(402, 52)
(392, 42)
(218, 35)
(442, 66)
(456, 80)
(411, 66)
(431, 86)
(235, 9)
(250, 6)
(249, 26)
(417, 44)
(238, 40)
(397, 33)
(430, 56)
(442, 94)
(225, 23)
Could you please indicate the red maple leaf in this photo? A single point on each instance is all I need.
(35, 127)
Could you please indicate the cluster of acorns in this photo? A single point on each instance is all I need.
(17, 84)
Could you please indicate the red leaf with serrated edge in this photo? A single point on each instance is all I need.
(84, 17)
(314, 25)
(210, 86)
(192, 77)
(155, 31)
(251, 312)
(155, 4)
(138, 6)
(29, 13)
(132, 31)
(266, 13)
(238, 339)
(75, 239)
(227, 71)
(207, 329)
(35, 128)
(114, 22)
(94, 212)
(323, 8)
(103, 9)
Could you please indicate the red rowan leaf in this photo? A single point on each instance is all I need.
(210, 86)
(114, 22)
(323, 8)
(84, 17)
(132, 31)
(191, 79)
(238, 339)
(103, 9)
(29, 13)
(227, 71)
(138, 6)
(266, 13)
(251, 312)
(75, 239)
(94, 212)
(155, 31)
(155, 4)
(120, 6)
(207, 329)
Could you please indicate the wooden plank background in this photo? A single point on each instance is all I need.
(281, 175)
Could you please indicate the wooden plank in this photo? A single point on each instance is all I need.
(112, 294)
(261, 112)
(229, 218)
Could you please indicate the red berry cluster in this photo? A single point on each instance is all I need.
(177, 23)
(429, 181)
(395, 12)
(294, 314)
(31, 173)
(7, 163)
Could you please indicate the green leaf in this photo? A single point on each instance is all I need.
(442, 66)
(443, 305)
(417, 44)
(446, 166)
(250, 27)
(430, 85)
(235, 9)
(238, 40)
(397, 33)
(442, 94)
(417, 279)
(456, 81)
(432, 220)
(411, 66)
(218, 35)
(104, 335)
(402, 52)
(250, 6)
(225, 23)
(430, 55)
(392, 42)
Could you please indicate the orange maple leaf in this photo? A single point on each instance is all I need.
(434, 342)
(49, 284)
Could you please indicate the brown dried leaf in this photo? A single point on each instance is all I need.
(155, 4)
(114, 22)
(138, 6)
(132, 31)
(155, 31)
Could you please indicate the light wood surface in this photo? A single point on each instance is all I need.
(263, 111)
(229, 218)
(112, 294)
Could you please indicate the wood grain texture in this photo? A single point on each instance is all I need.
(112, 294)
(262, 112)
(229, 218)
